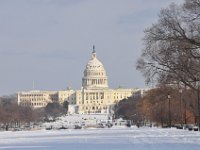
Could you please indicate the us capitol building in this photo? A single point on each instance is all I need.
(94, 96)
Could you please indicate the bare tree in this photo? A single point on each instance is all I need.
(13, 115)
(172, 46)
(155, 106)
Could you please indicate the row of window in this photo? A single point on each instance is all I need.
(95, 107)
(31, 95)
(94, 102)
(94, 73)
(88, 97)
(117, 97)
(40, 99)
(94, 81)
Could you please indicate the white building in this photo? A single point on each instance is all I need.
(94, 96)
(36, 99)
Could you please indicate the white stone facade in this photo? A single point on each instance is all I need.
(36, 99)
(94, 96)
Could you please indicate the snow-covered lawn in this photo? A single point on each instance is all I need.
(102, 139)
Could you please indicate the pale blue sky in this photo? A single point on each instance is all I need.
(50, 41)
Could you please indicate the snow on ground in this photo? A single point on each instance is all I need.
(115, 138)
(101, 139)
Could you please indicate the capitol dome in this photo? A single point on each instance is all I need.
(94, 74)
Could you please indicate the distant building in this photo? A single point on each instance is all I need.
(94, 96)
(36, 99)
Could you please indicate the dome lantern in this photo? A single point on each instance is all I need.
(93, 53)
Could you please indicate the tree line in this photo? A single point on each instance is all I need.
(154, 107)
(14, 116)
